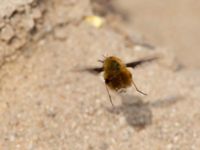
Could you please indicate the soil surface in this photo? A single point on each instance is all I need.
(48, 102)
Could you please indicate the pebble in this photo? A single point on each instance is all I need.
(2, 24)
(7, 33)
(36, 14)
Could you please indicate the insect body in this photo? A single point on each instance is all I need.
(117, 76)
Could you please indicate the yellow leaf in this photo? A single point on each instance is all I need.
(95, 21)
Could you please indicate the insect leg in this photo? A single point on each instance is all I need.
(109, 95)
(138, 89)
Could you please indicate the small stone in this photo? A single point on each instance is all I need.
(2, 24)
(36, 14)
(126, 134)
(12, 137)
(138, 48)
(7, 33)
(28, 23)
(20, 9)
(169, 146)
(18, 43)
(122, 121)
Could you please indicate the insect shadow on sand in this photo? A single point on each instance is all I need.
(138, 113)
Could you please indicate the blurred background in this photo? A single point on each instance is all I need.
(48, 100)
(171, 24)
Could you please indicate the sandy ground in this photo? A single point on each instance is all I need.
(170, 24)
(46, 102)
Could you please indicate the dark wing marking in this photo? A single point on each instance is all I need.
(94, 70)
(133, 64)
(139, 62)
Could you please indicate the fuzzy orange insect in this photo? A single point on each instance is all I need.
(116, 75)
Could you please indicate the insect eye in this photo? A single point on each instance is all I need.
(107, 81)
(115, 65)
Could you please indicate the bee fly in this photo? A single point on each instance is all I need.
(116, 75)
